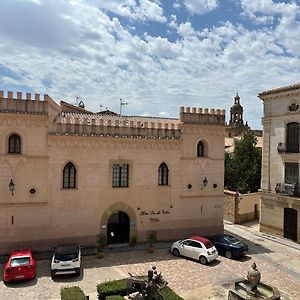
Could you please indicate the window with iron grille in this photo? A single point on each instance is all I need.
(291, 174)
(163, 174)
(14, 144)
(69, 176)
(200, 149)
(292, 137)
(120, 175)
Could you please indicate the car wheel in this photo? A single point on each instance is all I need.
(228, 254)
(176, 252)
(52, 274)
(203, 260)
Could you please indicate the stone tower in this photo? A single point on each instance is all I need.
(236, 124)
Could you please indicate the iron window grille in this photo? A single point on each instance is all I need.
(14, 144)
(163, 174)
(69, 176)
(120, 175)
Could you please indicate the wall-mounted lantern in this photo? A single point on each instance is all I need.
(11, 187)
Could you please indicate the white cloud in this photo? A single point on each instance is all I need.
(201, 7)
(186, 30)
(177, 5)
(74, 48)
(288, 28)
(142, 10)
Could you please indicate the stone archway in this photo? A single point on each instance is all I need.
(116, 216)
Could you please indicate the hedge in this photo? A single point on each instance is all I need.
(72, 293)
(109, 288)
(113, 290)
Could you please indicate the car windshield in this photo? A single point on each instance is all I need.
(65, 257)
(232, 239)
(20, 261)
(64, 253)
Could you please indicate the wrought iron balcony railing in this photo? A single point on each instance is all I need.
(289, 189)
(288, 148)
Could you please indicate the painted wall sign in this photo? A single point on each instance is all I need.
(154, 219)
(152, 212)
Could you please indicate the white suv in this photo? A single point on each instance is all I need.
(195, 247)
(66, 259)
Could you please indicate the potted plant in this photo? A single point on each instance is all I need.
(152, 239)
(101, 243)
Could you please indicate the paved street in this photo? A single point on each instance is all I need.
(279, 264)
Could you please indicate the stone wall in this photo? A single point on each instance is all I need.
(239, 208)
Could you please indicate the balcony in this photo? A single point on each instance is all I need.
(288, 189)
(288, 148)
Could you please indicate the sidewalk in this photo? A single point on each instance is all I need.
(253, 227)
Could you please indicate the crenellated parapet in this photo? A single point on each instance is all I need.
(29, 104)
(202, 116)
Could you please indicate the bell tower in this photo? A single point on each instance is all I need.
(236, 124)
(236, 113)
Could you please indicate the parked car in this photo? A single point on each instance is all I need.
(195, 247)
(66, 259)
(229, 245)
(20, 266)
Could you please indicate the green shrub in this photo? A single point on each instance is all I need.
(72, 293)
(113, 290)
(109, 288)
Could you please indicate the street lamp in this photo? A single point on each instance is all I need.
(11, 186)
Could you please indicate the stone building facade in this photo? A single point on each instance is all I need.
(280, 197)
(68, 174)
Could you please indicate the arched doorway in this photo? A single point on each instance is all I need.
(118, 228)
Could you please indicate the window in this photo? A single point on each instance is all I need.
(69, 176)
(120, 175)
(187, 243)
(292, 137)
(14, 144)
(163, 174)
(200, 149)
(291, 178)
(195, 244)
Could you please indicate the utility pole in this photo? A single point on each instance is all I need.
(122, 103)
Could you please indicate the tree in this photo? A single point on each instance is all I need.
(243, 167)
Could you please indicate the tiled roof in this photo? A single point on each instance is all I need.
(281, 89)
(83, 117)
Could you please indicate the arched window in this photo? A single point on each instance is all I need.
(14, 144)
(292, 137)
(69, 180)
(200, 149)
(163, 174)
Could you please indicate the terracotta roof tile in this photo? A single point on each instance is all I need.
(281, 89)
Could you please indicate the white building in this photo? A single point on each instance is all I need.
(280, 197)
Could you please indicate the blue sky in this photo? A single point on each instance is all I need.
(156, 55)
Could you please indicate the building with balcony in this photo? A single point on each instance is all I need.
(68, 174)
(280, 196)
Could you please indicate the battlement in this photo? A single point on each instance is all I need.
(202, 116)
(27, 104)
